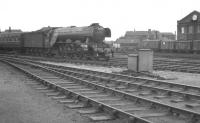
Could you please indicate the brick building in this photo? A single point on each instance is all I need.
(167, 36)
(132, 39)
(188, 28)
(142, 35)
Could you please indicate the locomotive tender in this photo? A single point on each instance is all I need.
(79, 42)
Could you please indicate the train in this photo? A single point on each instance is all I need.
(85, 42)
(189, 46)
(170, 46)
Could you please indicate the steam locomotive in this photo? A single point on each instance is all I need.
(73, 42)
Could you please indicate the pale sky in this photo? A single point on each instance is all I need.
(119, 15)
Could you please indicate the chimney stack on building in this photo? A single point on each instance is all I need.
(9, 29)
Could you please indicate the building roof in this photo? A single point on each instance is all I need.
(13, 30)
(188, 18)
(127, 40)
(167, 33)
(133, 33)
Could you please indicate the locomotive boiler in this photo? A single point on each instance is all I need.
(73, 42)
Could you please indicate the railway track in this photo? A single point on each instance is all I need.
(177, 65)
(85, 62)
(165, 64)
(159, 63)
(139, 99)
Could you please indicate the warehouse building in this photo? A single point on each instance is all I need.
(188, 28)
(132, 39)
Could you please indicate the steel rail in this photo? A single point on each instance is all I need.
(89, 101)
(125, 78)
(179, 91)
(135, 97)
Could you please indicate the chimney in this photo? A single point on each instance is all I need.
(149, 33)
(9, 29)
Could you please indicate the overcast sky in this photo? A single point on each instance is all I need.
(119, 15)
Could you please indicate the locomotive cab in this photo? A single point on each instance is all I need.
(107, 32)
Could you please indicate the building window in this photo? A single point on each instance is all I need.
(182, 30)
(190, 29)
(198, 29)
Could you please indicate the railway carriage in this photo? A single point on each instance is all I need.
(183, 46)
(10, 41)
(196, 46)
(154, 44)
(172, 46)
(167, 46)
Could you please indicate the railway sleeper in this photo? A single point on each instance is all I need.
(89, 110)
(193, 105)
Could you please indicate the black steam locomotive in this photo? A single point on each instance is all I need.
(73, 42)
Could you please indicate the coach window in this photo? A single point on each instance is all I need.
(190, 29)
(182, 30)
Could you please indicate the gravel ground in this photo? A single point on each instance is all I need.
(185, 56)
(170, 76)
(180, 77)
(20, 103)
(88, 67)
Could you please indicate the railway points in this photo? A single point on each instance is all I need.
(20, 102)
(181, 65)
(141, 89)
